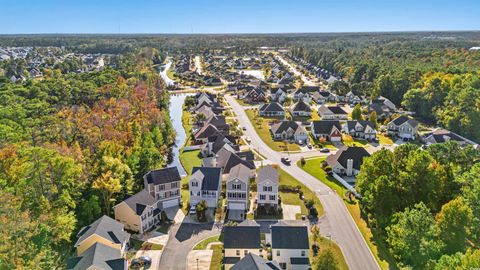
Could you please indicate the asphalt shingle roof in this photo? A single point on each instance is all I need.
(287, 236)
(163, 176)
(99, 256)
(354, 153)
(211, 177)
(255, 262)
(245, 235)
(325, 126)
(267, 173)
(105, 227)
(139, 201)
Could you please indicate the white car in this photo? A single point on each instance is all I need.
(192, 210)
(248, 139)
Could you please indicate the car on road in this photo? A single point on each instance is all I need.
(325, 150)
(244, 128)
(193, 210)
(143, 261)
(309, 145)
(248, 139)
(285, 160)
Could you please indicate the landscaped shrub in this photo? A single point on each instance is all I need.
(309, 203)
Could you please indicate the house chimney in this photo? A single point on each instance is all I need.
(349, 167)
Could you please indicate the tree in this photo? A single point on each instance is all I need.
(340, 87)
(454, 221)
(471, 193)
(200, 209)
(357, 112)
(315, 234)
(326, 261)
(373, 118)
(412, 238)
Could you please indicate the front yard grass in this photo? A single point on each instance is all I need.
(204, 243)
(217, 257)
(189, 159)
(263, 131)
(312, 167)
(293, 198)
(327, 244)
(384, 139)
(350, 141)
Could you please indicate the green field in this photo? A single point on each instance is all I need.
(263, 131)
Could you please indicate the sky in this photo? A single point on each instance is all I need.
(235, 16)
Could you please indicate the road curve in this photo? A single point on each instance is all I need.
(344, 230)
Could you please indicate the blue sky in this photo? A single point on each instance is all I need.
(239, 16)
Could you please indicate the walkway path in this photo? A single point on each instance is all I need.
(343, 229)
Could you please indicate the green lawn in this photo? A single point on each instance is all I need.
(327, 244)
(312, 166)
(263, 131)
(189, 159)
(203, 244)
(384, 139)
(217, 257)
(350, 141)
(138, 244)
(293, 198)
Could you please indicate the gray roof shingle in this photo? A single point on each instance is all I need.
(99, 256)
(287, 236)
(245, 235)
(162, 176)
(105, 227)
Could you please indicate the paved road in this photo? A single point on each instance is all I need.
(183, 236)
(343, 229)
(306, 80)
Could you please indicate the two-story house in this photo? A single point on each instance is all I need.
(267, 187)
(240, 240)
(164, 185)
(278, 95)
(255, 262)
(104, 230)
(238, 191)
(205, 184)
(139, 212)
(290, 246)
(360, 129)
(403, 127)
(99, 257)
(305, 93)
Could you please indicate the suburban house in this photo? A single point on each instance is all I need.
(382, 106)
(255, 262)
(202, 135)
(329, 130)
(403, 127)
(99, 257)
(215, 143)
(139, 212)
(442, 136)
(301, 109)
(226, 160)
(104, 230)
(238, 191)
(278, 95)
(164, 185)
(290, 245)
(322, 97)
(239, 241)
(360, 129)
(255, 95)
(205, 184)
(347, 160)
(267, 187)
(332, 113)
(289, 131)
(219, 122)
(305, 93)
(271, 109)
(351, 98)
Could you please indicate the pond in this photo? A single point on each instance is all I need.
(175, 111)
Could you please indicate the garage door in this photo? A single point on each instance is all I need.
(170, 203)
(236, 206)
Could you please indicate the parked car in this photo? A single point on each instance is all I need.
(244, 128)
(285, 160)
(248, 139)
(309, 145)
(143, 261)
(192, 210)
(325, 150)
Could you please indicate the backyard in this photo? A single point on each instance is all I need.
(189, 159)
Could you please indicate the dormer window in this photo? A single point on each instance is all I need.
(194, 184)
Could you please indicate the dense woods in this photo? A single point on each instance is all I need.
(423, 204)
(71, 145)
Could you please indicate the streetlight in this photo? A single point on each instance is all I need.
(197, 263)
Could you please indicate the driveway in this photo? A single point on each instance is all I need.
(183, 237)
(199, 259)
(343, 229)
(290, 211)
(154, 254)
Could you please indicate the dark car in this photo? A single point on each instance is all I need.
(325, 150)
(143, 261)
(285, 160)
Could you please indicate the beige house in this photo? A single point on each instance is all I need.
(240, 241)
(238, 190)
(267, 187)
(290, 245)
(139, 213)
(104, 230)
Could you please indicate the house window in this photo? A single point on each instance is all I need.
(238, 252)
(174, 185)
(194, 184)
(245, 252)
(278, 252)
(236, 186)
(262, 197)
(161, 187)
(303, 253)
(272, 197)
